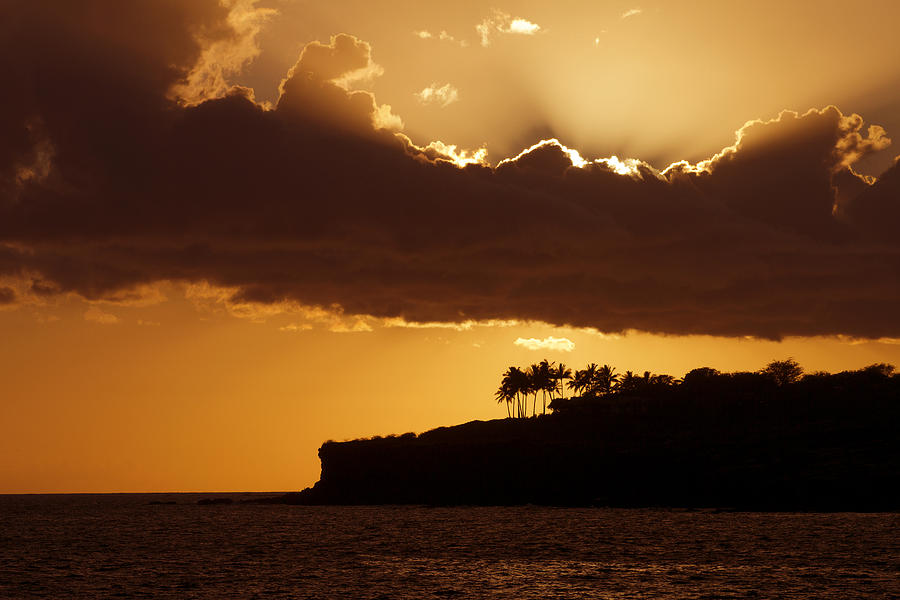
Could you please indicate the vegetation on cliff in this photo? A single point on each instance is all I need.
(594, 382)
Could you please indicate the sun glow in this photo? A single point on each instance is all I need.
(460, 158)
(576, 158)
(629, 166)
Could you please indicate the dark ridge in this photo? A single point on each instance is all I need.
(738, 441)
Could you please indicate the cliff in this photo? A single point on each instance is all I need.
(771, 449)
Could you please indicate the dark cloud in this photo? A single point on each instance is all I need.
(110, 183)
(7, 296)
(876, 208)
(87, 82)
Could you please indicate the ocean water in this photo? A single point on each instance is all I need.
(109, 546)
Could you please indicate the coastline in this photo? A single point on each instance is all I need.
(762, 460)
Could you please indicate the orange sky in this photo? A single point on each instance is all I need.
(211, 402)
(181, 388)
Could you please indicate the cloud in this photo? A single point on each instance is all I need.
(219, 300)
(631, 13)
(296, 327)
(522, 27)
(504, 23)
(224, 56)
(461, 326)
(443, 36)
(439, 151)
(263, 211)
(548, 343)
(443, 95)
(317, 89)
(333, 319)
(357, 326)
(7, 296)
(97, 315)
(446, 37)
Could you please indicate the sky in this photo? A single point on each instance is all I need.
(232, 231)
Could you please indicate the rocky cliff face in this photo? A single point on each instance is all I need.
(767, 459)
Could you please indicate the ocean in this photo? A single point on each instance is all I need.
(122, 546)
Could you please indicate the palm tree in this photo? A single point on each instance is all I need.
(522, 386)
(629, 382)
(590, 376)
(515, 386)
(531, 386)
(504, 394)
(506, 390)
(583, 379)
(560, 374)
(663, 381)
(578, 383)
(546, 381)
(539, 378)
(605, 379)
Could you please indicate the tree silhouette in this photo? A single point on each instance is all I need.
(583, 379)
(663, 381)
(504, 394)
(560, 374)
(547, 382)
(514, 386)
(532, 385)
(605, 379)
(700, 376)
(540, 380)
(779, 393)
(628, 383)
(784, 372)
(879, 369)
(522, 386)
(506, 391)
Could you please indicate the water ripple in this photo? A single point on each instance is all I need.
(120, 546)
